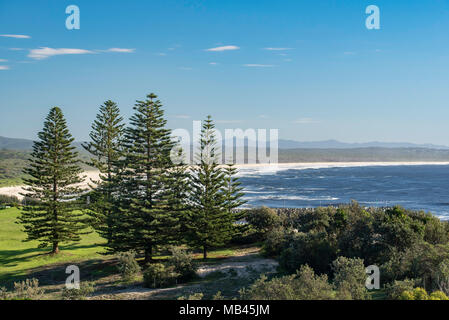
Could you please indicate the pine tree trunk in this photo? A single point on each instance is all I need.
(204, 253)
(55, 248)
(148, 254)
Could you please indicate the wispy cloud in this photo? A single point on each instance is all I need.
(4, 68)
(122, 50)
(16, 49)
(305, 121)
(277, 49)
(17, 36)
(223, 48)
(255, 65)
(181, 116)
(213, 63)
(45, 52)
(228, 121)
(263, 116)
(3, 60)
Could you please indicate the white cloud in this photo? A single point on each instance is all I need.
(255, 65)
(16, 49)
(305, 121)
(277, 49)
(213, 63)
(181, 116)
(123, 50)
(162, 54)
(228, 121)
(4, 68)
(263, 116)
(45, 52)
(17, 36)
(223, 48)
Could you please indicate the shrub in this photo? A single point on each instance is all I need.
(9, 200)
(395, 289)
(415, 294)
(159, 275)
(85, 290)
(195, 296)
(263, 220)
(3, 293)
(27, 290)
(349, 278)
(438, 295)
(182, 263)
(127, 265)
(304, 285)
(275, 241)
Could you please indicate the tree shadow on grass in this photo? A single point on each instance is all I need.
(11, 258)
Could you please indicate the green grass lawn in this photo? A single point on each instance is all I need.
(18, 258)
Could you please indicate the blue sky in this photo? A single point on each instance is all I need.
(333, 78)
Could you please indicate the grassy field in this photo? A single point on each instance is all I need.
(18, 258)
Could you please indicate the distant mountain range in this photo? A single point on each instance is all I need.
(334, 144)
(25, 144)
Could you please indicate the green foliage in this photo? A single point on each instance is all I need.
(106, 149)
(144, 219)
(313, 248)
(304, 285)
(276, 240)
(158, 275)
(263, 220)
(194, 296)
(395, 289)
(127, 265)
(54, 177)
(349, 278)
(85, 290)
(214, 194)
(438, 295)
(183, 264)
(415, 294)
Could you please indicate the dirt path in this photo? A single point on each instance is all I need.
(227, 276)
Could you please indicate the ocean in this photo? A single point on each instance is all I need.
(418, 187)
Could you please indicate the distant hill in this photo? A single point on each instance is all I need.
(15, 144)
(22, 144)
(25, 144)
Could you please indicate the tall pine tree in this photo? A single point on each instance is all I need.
(107, 149)
(213, 196)
(145, 220)
(233, 195)
(54, 177)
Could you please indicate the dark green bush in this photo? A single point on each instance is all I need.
(263, 220)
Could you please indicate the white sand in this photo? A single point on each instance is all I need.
(268, 168)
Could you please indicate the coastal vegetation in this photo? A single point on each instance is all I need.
(151, 221)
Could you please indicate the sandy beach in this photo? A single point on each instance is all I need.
(262, 168)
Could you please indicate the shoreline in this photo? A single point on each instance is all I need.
(92, 174)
